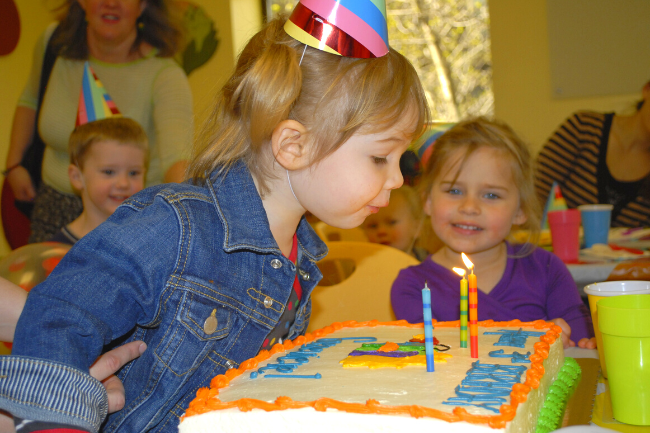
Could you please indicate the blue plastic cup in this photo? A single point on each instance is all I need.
(595, 223)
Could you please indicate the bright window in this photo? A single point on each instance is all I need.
(448, 42)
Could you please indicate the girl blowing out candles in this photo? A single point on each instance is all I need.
(209, 273)
(477, 186)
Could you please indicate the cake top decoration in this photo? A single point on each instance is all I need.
(349, 28)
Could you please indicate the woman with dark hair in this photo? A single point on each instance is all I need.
(602, 158)
(128, 44)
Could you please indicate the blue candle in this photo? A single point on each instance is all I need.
(428, 327)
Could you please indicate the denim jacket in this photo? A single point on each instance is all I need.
(193, 271)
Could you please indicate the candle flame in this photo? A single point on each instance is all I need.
(460, 271)
(468, 262)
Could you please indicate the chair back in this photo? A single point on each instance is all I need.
(365, 293)
(328, 233)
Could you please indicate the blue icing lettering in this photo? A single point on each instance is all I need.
(513, 338)
(280, 368)
(295, 376)
(514, 357)
(292, 360)
(486, 385)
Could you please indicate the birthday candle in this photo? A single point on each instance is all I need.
(473, 308)
(428, 327)
(463, 307)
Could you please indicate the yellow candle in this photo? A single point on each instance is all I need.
(463, 307)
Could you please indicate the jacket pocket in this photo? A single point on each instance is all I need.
(199, 322)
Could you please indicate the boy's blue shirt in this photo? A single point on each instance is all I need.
(168, 259)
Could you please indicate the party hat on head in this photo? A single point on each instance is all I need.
(555, 201)
(350, 28)
(94, 102)
(425, 144)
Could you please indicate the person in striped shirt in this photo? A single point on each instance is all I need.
(601, 158)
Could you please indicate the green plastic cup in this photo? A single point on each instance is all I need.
(597, 291)
(624, 323)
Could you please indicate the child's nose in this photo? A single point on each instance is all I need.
(395, 178)
(382, 229)
(122, 181)
(470, 206)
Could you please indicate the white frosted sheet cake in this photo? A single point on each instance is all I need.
(385, 392)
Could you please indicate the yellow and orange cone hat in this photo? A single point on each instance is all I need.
(349, 28)
(94, 101)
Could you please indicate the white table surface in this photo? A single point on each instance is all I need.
(577, 352)
(588, 273)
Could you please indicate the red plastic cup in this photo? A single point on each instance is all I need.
(565, 233)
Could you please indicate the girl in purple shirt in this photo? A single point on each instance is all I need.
(477, 186)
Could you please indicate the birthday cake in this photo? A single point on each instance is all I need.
(372, 376)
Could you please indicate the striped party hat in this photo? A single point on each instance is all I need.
(350, 28)
(94, 102)
(425, 144)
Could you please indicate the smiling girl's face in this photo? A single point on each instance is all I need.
(473, 210)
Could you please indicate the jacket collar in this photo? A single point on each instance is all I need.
(243, 217)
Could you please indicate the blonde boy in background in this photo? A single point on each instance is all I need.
(108, 160)
(398, 224)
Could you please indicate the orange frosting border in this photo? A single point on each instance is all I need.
(206, 398)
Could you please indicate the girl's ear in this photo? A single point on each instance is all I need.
(520, 217)
(428, 205)
(290, 145)
(76, 179)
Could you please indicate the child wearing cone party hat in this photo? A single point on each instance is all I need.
(108, 158)
(210, 272)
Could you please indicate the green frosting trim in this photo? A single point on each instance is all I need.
(552, 413)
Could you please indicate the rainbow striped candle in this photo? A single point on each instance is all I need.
(473, 315)
(428, 327)
(473, 307)
(463, 307)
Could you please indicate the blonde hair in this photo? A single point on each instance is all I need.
(332, 96)
(479, 132)
(120, 129)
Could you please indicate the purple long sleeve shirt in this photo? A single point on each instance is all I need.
(537, 286)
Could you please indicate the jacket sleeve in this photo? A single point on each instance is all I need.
(112, 280)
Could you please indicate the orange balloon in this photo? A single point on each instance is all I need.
(29, 265)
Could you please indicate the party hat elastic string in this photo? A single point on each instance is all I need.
(303, 55)
(291, 188)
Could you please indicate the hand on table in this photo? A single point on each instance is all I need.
(566, 332)
(587, 343)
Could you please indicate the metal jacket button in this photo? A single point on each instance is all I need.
(210, 324)
(268, 302)
(304, 275)
(230, 365)
(276, 264)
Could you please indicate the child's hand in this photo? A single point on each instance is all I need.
(587, 343)
(106, 365)
(566, 332)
